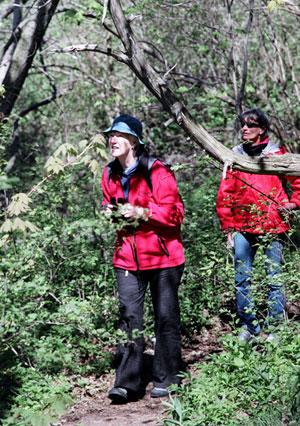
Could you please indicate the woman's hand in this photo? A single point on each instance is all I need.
(228, 232)
(288, 206)
(130, 211)
(285, 211)
(107, 210)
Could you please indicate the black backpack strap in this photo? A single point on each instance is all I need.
(151, 161)
(113, 167)
(109, 170)
(145, 167)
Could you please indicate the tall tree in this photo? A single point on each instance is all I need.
(30, 22)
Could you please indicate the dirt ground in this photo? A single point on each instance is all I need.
(93, 408)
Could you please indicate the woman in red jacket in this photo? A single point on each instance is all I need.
(252, 207)
(143, 188)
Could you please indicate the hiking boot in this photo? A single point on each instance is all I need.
(159, 392)
(118, 395)
(244, 336)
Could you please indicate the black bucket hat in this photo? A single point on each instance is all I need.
(126, 123)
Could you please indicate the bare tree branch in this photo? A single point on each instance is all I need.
(92, 48)
(32, 107)
(287, 164)
(241, 93)
(5, 14)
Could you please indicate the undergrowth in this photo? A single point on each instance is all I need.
(59, 308)
(255, 383)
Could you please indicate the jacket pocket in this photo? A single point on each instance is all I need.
(162, 245)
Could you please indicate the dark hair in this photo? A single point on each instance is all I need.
(140, 149)
(260, 117)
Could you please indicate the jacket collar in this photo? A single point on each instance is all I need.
(271, 148)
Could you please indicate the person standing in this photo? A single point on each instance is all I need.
(254, 209)
(142, 188)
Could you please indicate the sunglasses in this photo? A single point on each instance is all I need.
(249, 125)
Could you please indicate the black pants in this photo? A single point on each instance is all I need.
(167, 361)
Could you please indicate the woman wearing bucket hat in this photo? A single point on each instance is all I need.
(143, 188)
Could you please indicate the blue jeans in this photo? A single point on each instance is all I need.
(167, 362)
(246, 245)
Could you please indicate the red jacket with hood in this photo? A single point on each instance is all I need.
(249, 202)
(156, 242)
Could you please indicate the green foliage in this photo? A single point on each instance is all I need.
(60, 306)
(208, 280)
(6, 182)
(243, 384)
(57, 293)
(41, 401)
(274, 4)
(58, 297)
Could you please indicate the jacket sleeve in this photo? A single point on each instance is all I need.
(295, 184)
(166, 207)
(226, 201)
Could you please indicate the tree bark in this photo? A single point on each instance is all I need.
(288, 164)
(20, 50)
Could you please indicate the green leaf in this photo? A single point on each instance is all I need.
(95, 167)
(58, 406)
(19, 204)
(273, 5)
(66, 149)
(7, 226)
(54, 165)
(19, 224)
(238, 362)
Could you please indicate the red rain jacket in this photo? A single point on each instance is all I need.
(249, 202)
(156, 242)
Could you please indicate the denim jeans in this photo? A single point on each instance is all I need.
(246, 245)
(167, 361)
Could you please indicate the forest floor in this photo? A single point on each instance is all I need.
(93, 408)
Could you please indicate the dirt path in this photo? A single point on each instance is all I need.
(93, 408)
(97, 410)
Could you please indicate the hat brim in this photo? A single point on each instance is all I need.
(123, 128)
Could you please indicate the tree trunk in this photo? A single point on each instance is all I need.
(20, 50)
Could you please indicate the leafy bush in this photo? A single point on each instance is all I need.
(243, 385)
(59, 298)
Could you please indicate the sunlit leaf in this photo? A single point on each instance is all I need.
(4, 240)
(102, 153)
(31, 226)
(66, 149)
(19, 204)
(83, 143)
(86, 159)
(19, 224)
(95, 167)
(99, 139)
(7, 226)
(54, 165)
(273, 5)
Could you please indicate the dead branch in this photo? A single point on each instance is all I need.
(287, 164)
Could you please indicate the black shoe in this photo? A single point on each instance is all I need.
(118, 395)
(159, 392)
